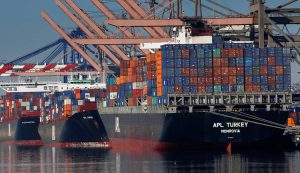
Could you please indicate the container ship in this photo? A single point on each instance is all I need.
(55, 114)
(199, 92)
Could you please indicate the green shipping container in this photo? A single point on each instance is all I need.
(216, 53)
(240, 88)
(129, 94)
(217, 88)
(154, 101)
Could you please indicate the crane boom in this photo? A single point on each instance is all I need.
(69, 40)
(86, 30)
(92, 24)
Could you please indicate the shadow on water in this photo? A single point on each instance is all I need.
(57, 160)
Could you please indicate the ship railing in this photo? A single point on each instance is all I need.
(230, 98)
(133, 109)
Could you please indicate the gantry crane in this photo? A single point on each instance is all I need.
(141, 24)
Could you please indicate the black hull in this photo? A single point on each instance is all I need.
(23, 131)
(84, 129)
(200, 130)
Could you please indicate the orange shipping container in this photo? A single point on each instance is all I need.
(216, 62)
(263, 70)
(159, 91)
(232, 80)
(232, 70)
(224, 71)
(201, 89)
(279, 70)
(217, 71)
(132, 101)
(239, 70)
(248, 88)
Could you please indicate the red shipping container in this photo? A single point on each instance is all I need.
(240, 70)
(272, 79)
(248, 80)
(224, 62)
(232, 71)
(271, 61)
(225, 79)
(249, 88)
(209, 80)
(193, 81)
(232, 80)
(185, 53)
(178, 89)
(201, 80)
(185, 72)
(217, 71)
(216, 62)
(201, 89)
(208, 72)
(240, 52)
(149, 100)
(132, 101)
(279, 70)
(139, 78)
(224, 52)
(225, 71)
(217, 80)
(263, 70)
(255, 88)
(193, 72)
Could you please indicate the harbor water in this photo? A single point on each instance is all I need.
(56, 160)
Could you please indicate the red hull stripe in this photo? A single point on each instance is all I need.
(81, 145)
(24, 142)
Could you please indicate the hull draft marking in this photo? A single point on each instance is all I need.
(53, 133)
(9, 130)
(117, 125)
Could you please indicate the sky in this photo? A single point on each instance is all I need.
(23, 30)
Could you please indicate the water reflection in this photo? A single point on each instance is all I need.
(57, 160)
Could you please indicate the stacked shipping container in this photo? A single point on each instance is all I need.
(202, 68)
(56, 105)
(132, 84)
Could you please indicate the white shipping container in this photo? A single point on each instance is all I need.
(134, 85)
(87, 95)
(113, 95)
(92, 99)
(27, 108)
(140, 85)
(35, 108)
(104, 104)
(24, 103)
(80, 102)
(67, 102)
